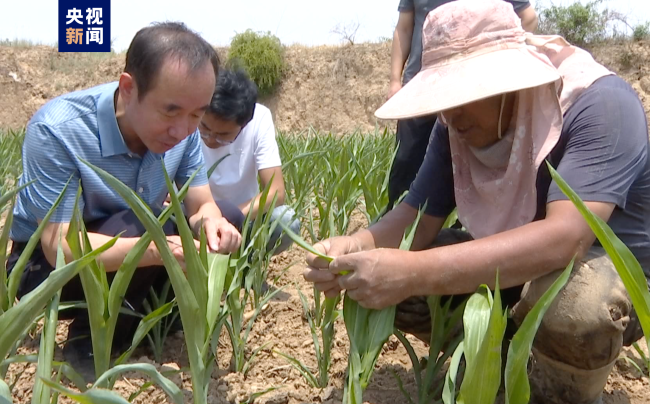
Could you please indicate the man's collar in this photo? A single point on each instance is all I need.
(110, 137)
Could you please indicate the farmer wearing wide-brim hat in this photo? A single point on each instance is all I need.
(508, 101)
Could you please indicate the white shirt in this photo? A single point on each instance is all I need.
(255, 149)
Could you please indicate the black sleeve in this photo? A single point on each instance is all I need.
(607, 146)
(434, 183)
(519, 5)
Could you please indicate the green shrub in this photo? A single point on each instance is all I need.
(261, 55)
(641, 32)
(580, 24)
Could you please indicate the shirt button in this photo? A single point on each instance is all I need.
(140, 190)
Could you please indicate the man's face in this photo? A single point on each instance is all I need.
(217, 132)
(477, 123)
(172, 109)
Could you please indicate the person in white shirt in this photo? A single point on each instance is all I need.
(240, 131)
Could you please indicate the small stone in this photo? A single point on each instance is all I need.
(307, 343)
(645, 84)
(223, 388)
(171, 366)
(327, 394)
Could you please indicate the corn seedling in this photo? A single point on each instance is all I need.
(17, 318)
(368, 331)
(256, 237)
(645, 360)
(625, 262)
(322, 350)
(484, 322)
(198, 292)
(41, 393)
(244, 283)
(444, 321)
(160, 307)
(104, 302)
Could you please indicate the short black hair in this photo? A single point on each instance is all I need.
(234, 97)
(152, 45)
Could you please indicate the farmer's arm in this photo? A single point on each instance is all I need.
(111, 259)
(401, 46)
(267, 175)
(528, 18)
(388, 232)
(521, 254)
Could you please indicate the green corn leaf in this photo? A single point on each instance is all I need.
(217, 270)
(63, 368)
(187, 301)
(34, 240)
(92, 396)
(165, 384)
(449, 391)
(483, 352)
(215, 165)
(125, 273)
(41, 393)
(303, 244)
(18, 318)
(368, 331)
(625, 262)
(5, 393)
(4, 198)
(196, 273)
(302, 369)
(415, 363)
(4, 241)
(145, 325)
(95, 290)
(516, 375)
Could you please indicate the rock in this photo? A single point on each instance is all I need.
(645, 84)
(327, 394)
(280, 397)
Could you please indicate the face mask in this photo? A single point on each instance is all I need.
(496, 155)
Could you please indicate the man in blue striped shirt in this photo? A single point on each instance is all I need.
(129, 128)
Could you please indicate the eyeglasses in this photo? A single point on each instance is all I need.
(209, 136)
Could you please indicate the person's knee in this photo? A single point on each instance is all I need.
(584, 325)
(287, 216)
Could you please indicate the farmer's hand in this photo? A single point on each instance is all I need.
(318, 268)
(222, 236)
(176, 246)
(393, 88)
(168, 200)
(377, 278)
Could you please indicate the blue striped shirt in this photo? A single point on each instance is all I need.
(83, 125)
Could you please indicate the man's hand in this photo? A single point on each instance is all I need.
(318, 268)
(393, 88)
(176, 245)
(222, 236)
(377, 278)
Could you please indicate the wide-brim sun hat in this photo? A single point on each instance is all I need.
(472, 50)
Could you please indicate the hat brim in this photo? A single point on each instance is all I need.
(468, 80)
